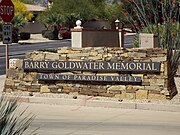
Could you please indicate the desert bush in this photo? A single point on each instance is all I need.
(12, 122)
(25, 35)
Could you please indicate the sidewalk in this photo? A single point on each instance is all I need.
(82, 100)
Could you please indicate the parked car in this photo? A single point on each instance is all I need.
(64, 33)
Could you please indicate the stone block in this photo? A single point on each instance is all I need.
(157, 82)
(64, 51)
(8, 90)
(22, 88)
(161, 76)
(44, 89)
(155, 87)
(19, 63)
(75, 49)
(159, 59)
(165, 92)
(62, 58)
(17, 84)
(139, 87)
(124, 55)
(88, 92)
(148, 40)
(77, 55)
(145, 79)
(106, 94)
(98, 90)
(166, 67)
(9, 82)
(114, 91)
(11, 73)
(52, 56)
(130, 96)
(18, 74)
(93, 53)
(28, 78)
(162, 67)
(154, 92)
(27, 84)
(108, 55)
(36, 86)
(156, 96)
(87, 49)
(33, 90)
(142, 94)
(95, 58)
(120, 96)
(117, 87)
(137, 55)
(37, 56)
(130, 89)
(145, 82)
(167, 83)
(147, 59)
(103, 87)
(67, 91)
(159, 51)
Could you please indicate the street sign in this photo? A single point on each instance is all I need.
(6, 10)
(7, 33)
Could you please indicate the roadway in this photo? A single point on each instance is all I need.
(75, 120)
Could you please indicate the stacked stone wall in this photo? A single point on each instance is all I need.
(153, 85)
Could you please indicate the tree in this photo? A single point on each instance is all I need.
(21, 17)
(160, 17)
(69, 11)
(82, 9)
(20, 9)
(99, 7)
(113, 12)
(28, 1)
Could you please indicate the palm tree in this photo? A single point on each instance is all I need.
(17, 22)
(52, 21)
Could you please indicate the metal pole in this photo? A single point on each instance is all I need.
(7, 59)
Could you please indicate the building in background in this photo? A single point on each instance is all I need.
(34, 26)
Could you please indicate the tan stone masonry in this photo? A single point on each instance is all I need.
(153, 85)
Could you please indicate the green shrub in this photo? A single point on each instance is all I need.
(25, 35)
(48, 50)
(49, 34)
(43, 33)
(1, 35)
(15, 35)
(12, 122)
(136, 41)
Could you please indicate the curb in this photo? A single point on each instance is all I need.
(97, 103)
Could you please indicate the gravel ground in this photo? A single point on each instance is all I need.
(174, 101)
